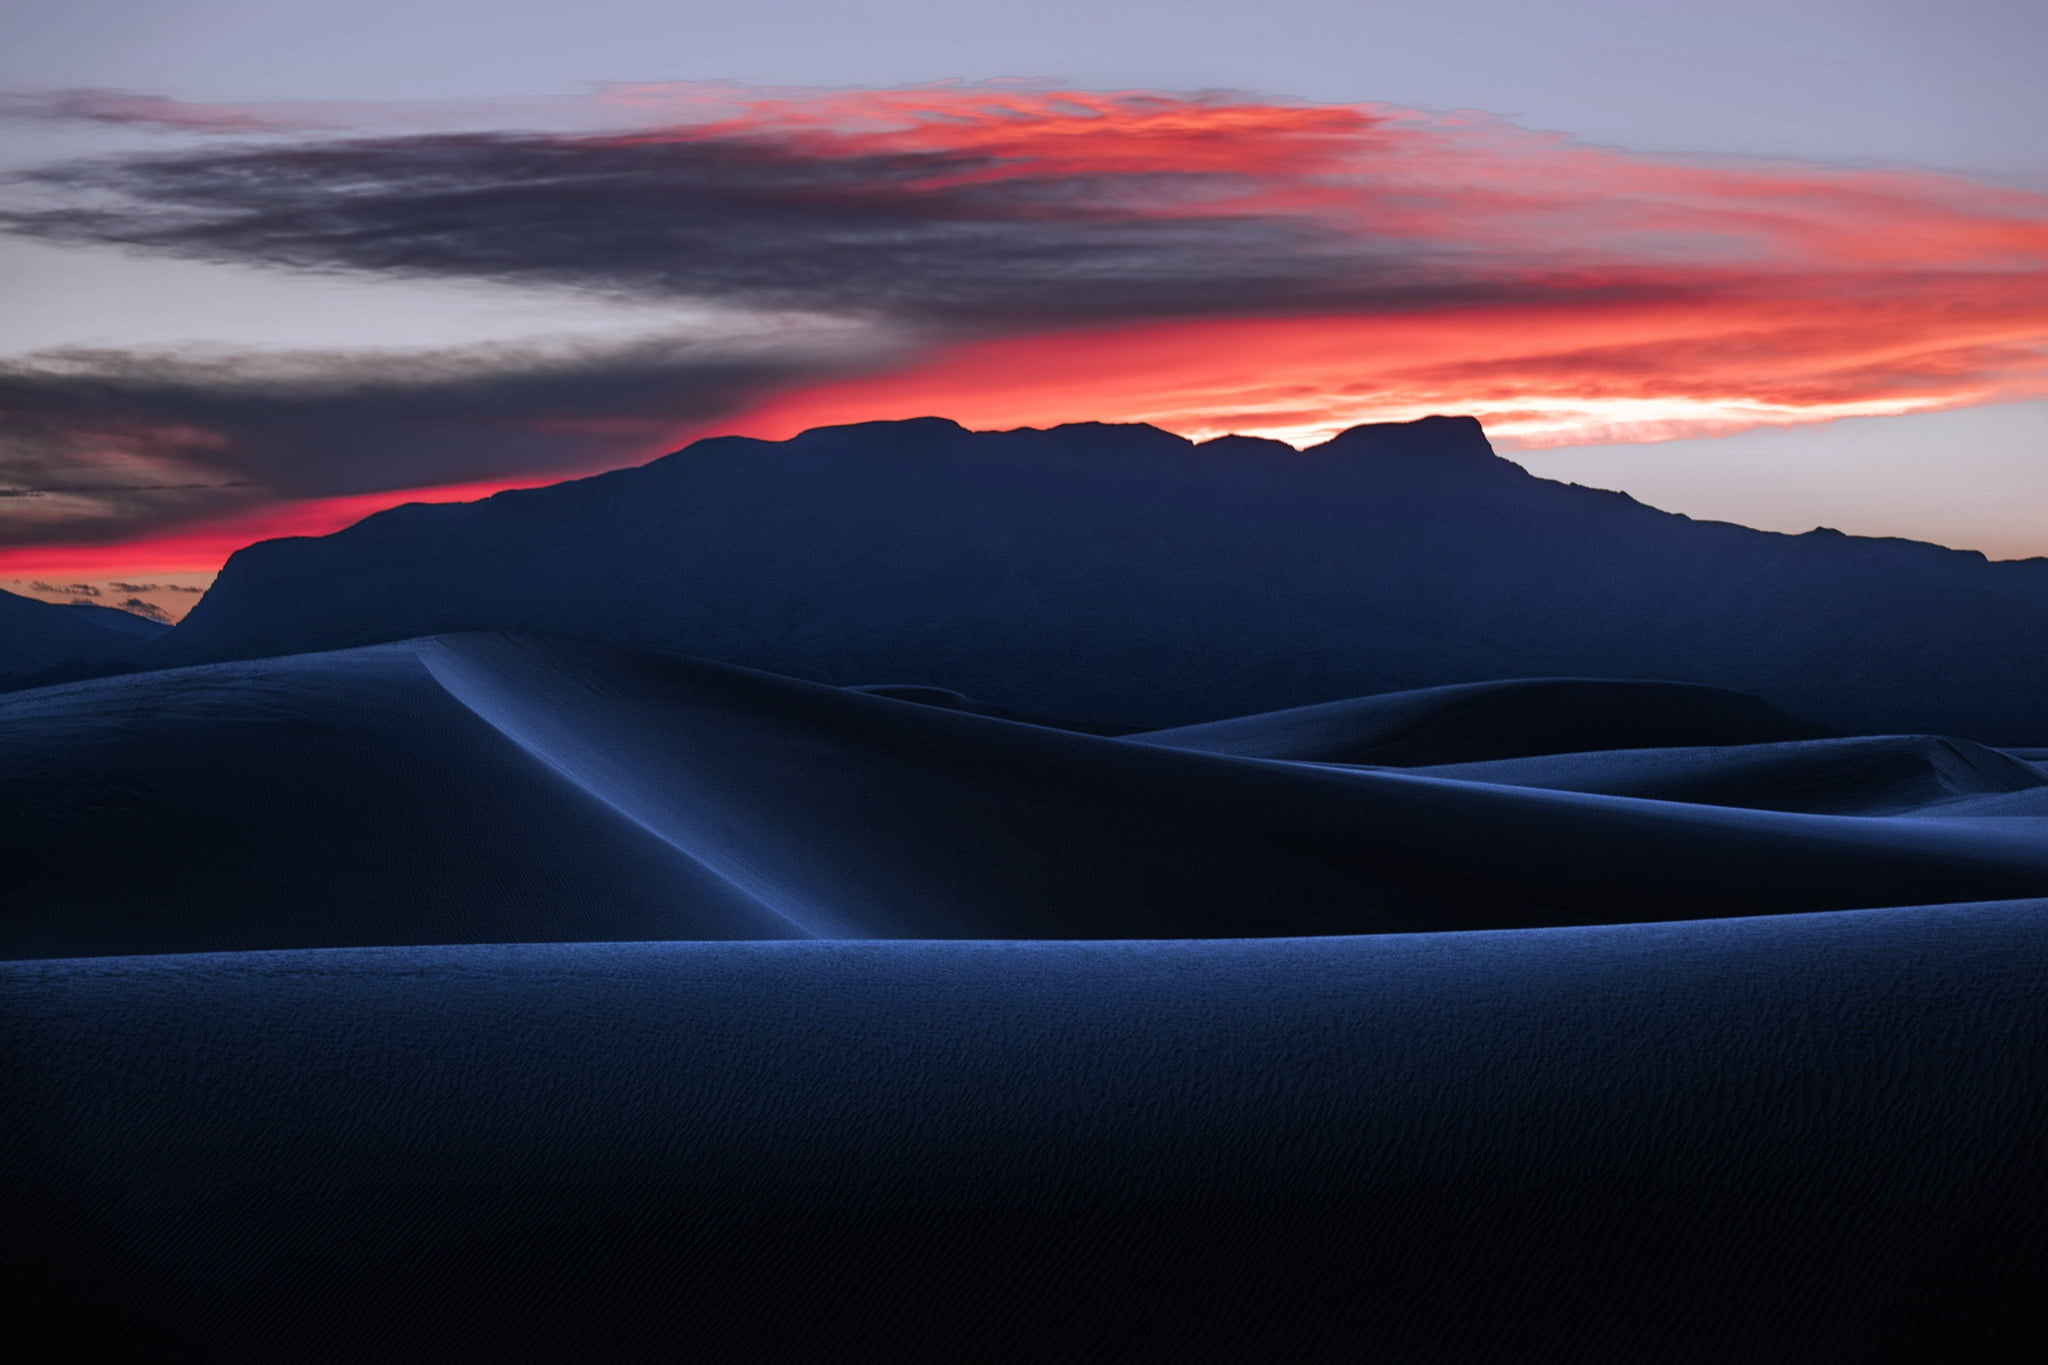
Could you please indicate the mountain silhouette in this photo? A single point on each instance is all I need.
(36, 637)
(1120, 577)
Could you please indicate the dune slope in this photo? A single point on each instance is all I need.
(313, 802)
(491, 788)
(1788, 1138)
(1869, 775)
(1474, 722)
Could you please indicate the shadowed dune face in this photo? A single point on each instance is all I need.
(311, 802)
(1881, 775)
(489, 788)
(1789, 1139)
(1496, 720)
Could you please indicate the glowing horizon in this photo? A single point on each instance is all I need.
(1004, 256)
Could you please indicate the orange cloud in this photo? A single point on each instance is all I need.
(1539, 374)
(204, 546)
(1207, 264)
(1617, 296)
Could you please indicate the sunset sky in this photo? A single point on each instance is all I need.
(268, 267)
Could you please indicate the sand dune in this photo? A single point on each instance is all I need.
(1871, 775)
(1793, 1138)
(1512, 719)
(311, 802)
(490, 788)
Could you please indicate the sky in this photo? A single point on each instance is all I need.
(268, 267)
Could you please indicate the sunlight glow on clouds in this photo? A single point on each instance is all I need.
(1006, 255)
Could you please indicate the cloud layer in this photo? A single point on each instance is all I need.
(101, 446)
(1208, 262)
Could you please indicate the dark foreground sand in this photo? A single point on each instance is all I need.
(1801, 1137)
(1545, 1020)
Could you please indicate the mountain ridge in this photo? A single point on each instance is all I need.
(1123, 576)
(37, 636)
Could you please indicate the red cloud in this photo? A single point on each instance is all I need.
(1382, 171)
(1654, 367)
(1617, 296)
(1561, 292)
(204, 546)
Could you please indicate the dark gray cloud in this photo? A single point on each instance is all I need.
(237, 431)
(128, 109)
(97, 489)
(938, 241)
(147, 609)
(948, 216)
(947, 235)
(967, 232)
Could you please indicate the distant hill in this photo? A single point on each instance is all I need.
(37, 637)
(1122, 577)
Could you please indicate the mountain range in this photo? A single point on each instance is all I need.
(1120, 577)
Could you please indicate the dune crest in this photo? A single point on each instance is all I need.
(486, 787)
